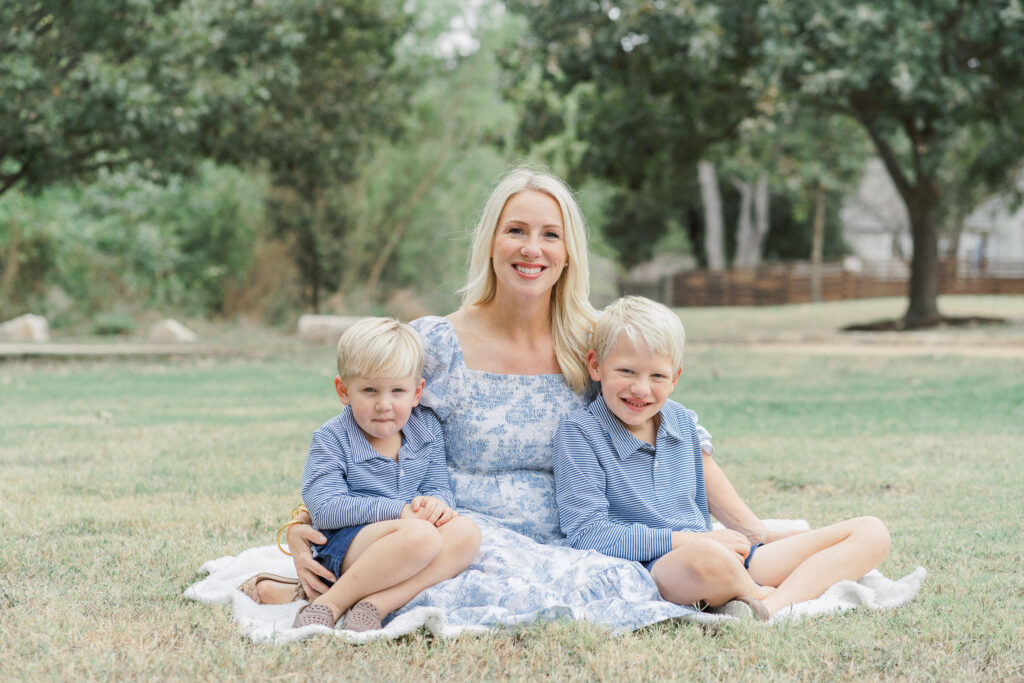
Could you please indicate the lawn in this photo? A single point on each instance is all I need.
(120, 478)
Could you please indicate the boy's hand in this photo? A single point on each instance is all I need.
(733, 540)
(432, 509)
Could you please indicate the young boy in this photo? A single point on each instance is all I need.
(376, 484)
(631, 481)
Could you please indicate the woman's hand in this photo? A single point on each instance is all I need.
(432, 509)
(307, 569)
(779, 534)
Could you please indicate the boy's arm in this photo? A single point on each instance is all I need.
(583, 504)
(436, 482)
(326, 494)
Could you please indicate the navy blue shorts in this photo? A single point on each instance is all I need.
(332, 553)
(746, 562)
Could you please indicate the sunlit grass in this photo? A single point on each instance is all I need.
(119, 479)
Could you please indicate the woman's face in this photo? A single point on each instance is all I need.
(528, 253)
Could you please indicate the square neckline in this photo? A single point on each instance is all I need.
(486, 373)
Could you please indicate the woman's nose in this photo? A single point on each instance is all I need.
(530, 248)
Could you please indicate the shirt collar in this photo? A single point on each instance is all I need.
(622, 439)
(415, 436)
(624, 442)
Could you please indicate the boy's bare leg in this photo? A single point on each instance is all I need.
(382, 555)
(703, 570)
(805, 565)
(460, 541)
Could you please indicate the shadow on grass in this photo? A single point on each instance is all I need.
(900, 325)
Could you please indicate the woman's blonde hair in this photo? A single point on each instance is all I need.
(380, 347)
(646, 324)
(572, 316)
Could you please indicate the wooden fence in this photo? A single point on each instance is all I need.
(790, 283)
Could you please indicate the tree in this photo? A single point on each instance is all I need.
(302, 88)
(918, 76)
(649, 87)
(88, 85)
(306, 88)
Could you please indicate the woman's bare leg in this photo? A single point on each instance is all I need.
(460, 541)
(805, 565)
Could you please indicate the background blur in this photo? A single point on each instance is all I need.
(231, 159)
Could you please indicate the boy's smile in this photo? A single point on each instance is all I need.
(380, 405)
(635, 384)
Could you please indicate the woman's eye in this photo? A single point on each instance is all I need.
(552, 235)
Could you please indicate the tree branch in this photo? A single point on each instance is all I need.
(903, 185)
(9, 181)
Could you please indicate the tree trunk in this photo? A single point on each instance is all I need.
(817, 241)
(714, 232)
(923, 288)
(761, 215)
(745, 237)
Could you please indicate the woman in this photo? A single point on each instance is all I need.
(501, 373)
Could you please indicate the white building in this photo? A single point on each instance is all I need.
(877, 228)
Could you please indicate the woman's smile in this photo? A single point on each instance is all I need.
(528, 270)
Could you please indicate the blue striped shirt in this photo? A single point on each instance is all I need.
(346, 482)
(622, 496)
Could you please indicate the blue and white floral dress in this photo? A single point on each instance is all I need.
(499, 432)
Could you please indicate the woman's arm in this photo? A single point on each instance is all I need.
(729, 509)
(307, 569)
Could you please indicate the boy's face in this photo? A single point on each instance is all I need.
(635, 384)
(380, 405)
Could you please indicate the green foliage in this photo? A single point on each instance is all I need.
(72, 252)
(648, 88)
(90, 85)
(113, 323)
(413, 205)
(323, 84)
(923, 79)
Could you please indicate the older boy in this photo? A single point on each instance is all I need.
(630, 482)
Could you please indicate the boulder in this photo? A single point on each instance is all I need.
(170, 331)
(325, 329)
(25, 328)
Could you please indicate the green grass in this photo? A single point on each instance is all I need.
(118, 479)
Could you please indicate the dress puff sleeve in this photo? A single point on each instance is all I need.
(442, 364)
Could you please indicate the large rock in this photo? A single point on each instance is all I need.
(325, 328)
(170, 331)
(25, 328)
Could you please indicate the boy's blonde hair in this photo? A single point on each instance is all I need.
(571, 312)
(645, 323)
(380, 347)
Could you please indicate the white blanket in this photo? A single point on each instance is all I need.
(272, 623)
